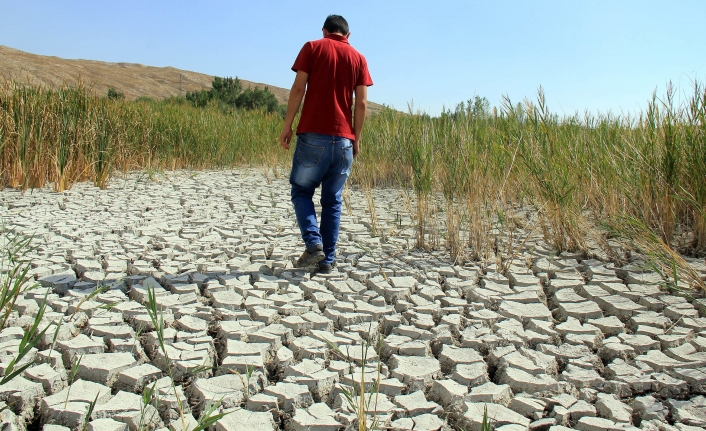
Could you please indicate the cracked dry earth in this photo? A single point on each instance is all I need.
(563, 341)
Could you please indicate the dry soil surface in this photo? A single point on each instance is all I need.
(561, 341)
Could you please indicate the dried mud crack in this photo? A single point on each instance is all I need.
(556, 341)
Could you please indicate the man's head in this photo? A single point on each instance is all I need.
(336, 24)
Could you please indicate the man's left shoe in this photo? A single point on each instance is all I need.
(311, 256)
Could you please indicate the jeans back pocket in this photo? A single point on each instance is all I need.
(308, 156)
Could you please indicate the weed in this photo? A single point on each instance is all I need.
(138, 333)
(209, 416)
(245, 380)
(14, 270)
(148, 394)
(97, 291)
(75, 362)
(155, 313)
(359, 399)
(56, 335)
(91, 406)
(487, 424)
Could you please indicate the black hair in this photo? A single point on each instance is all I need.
(336, 24)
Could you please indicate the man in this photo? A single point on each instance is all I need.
(329, 71)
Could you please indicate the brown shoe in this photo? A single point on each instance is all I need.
(325, 268)
(311, 256)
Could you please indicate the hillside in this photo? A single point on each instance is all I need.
(133, 80)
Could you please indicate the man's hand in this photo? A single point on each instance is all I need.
(356, 148)
(285, 137)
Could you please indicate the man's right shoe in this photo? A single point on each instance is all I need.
(325, 268)
(311, 256)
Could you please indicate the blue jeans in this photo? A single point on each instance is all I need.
(323, 160)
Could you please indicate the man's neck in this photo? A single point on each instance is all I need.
(336, 34)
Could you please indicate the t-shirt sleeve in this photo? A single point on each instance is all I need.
(303, 61)
(364, 75)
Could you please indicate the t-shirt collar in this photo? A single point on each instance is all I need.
(337, 37)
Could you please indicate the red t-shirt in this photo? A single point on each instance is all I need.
(335, 68)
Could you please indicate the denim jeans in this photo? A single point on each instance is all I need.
(320, 160)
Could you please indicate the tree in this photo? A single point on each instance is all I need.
(480, 107)
(256, 98)
(226, 89)
(114, 94)
(229, 91)
(199, 98)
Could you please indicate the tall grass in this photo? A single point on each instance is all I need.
(472, 174)
(587, 177)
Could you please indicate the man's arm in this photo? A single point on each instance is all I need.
(361, 106)
(295, 100)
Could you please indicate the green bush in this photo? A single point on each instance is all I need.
(226, 90)
(114, 94)
(229, 92)
(198, 99)
(256, 98)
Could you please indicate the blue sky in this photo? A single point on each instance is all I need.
(587, 55)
